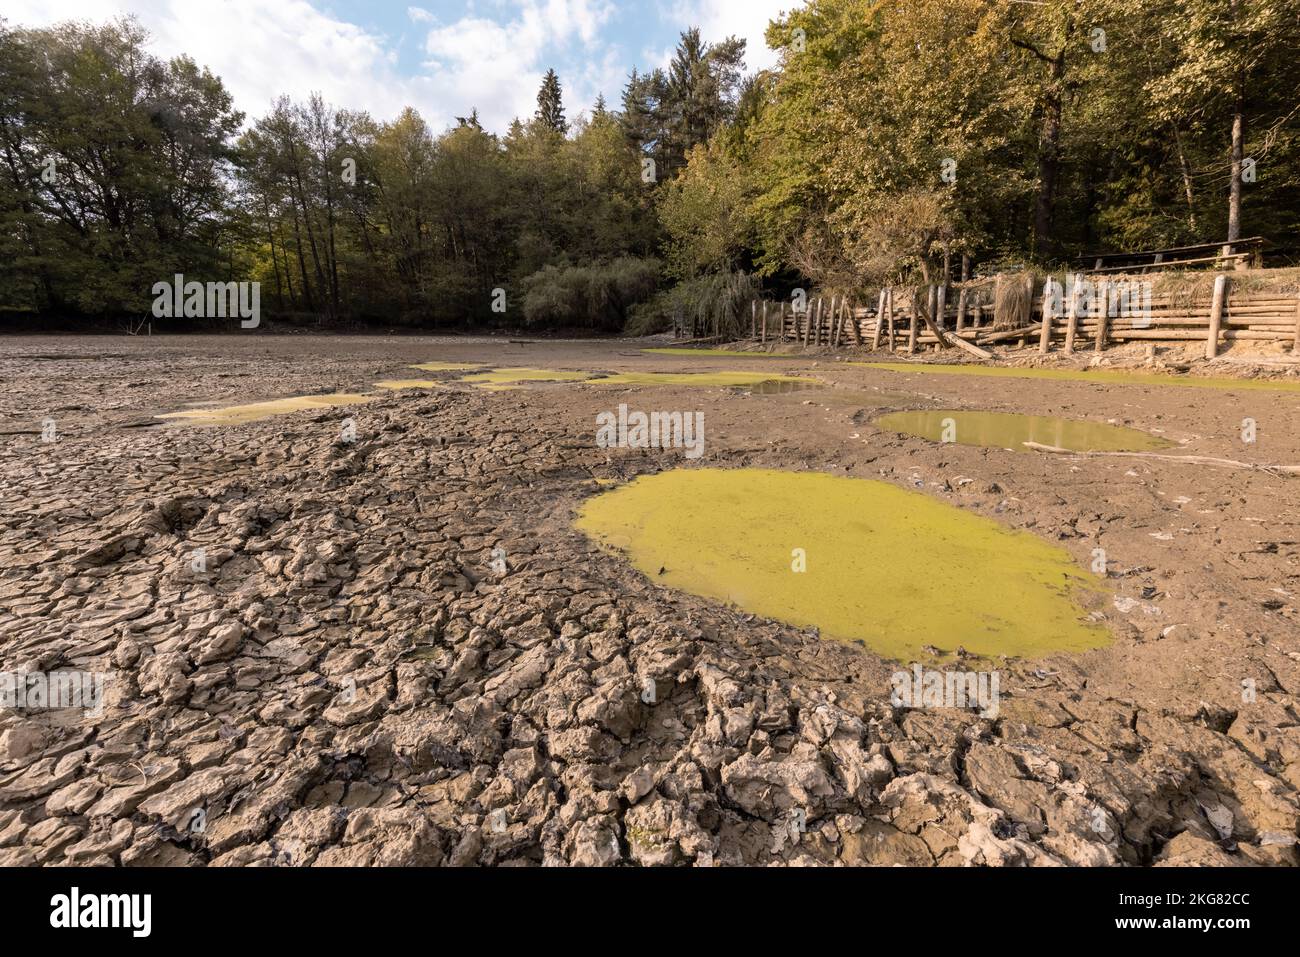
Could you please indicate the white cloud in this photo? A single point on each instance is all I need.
(260, 50)
(748, 19)
(490, 61)
(498, 67)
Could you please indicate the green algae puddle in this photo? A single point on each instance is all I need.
(755, 380)
(674, 351)
(253, 411)
(894, 569)
(1101, 376)
(512, 377)
(1006, 430)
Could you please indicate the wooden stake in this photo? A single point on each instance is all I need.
(1072, 314)
(1044, 340)
(880, 320)
(753, 319)
(763, 334)
(1102, 317)
(912, 329)
(1295, 344)
(889, 310)
(1216, 316)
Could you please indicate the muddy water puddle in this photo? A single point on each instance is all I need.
(496, 379)
(883, 566)
(1100, 376)
(1007, 430)
(753, 381)
(254, 411)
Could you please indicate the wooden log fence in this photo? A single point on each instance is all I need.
(1067, 320)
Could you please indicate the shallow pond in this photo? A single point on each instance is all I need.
(891, 568)
(253, 411)
(755, 381)
(512, 377)
(1100, 376)
(1006, 430)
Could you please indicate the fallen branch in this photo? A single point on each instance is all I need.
(944, 338)
(1186, 459)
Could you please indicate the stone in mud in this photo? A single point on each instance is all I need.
(593, 843)
(222, 643)
(771, 789)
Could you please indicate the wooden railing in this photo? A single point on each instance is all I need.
(1093, 314)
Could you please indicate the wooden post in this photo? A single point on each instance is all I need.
(889, 312)
(1029, 286)
(961, 297)
(941, 305)
(835, 322)
(1216, 316)
(753, 319)
(763, 332)
(1295, 344)
(1103, 293)
(916, 314)
(853, 322)
(1045, 337)
(880, 319)
(1072, 314)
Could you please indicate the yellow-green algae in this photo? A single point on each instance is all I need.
(253, 411)
(446, 366)
(1100, 376)
(892, 568)
(679, 351)
(723, 379)
(1009, 430)
(511, 376)
(410, 384)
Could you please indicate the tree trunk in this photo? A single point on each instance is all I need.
(1049, 161)
(1234, 189)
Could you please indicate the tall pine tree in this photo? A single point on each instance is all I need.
(550, 108)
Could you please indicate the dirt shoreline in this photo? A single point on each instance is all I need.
(352, 681)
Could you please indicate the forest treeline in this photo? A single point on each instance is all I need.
(892, 141)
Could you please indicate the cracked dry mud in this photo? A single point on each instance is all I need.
(499, 719)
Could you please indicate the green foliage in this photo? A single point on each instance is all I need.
(113, 168)
(714, 304)
(596, 297)
(889, 137)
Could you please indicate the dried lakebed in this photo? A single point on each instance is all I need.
(399, 650)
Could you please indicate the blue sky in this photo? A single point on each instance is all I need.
(443, 57)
